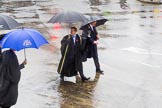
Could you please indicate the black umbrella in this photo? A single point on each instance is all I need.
(68, 17)
(100, 20)
(7, 23)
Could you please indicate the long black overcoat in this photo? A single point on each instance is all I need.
(11, 77)
(71, 61)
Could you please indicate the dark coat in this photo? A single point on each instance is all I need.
(90, 36)
(11, 76)
(71, 64)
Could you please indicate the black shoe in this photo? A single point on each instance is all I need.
(100, 71)
(62, 78)
(85, 79)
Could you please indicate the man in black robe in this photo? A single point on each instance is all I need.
(90, 35)
(9, 78)
(71, 61)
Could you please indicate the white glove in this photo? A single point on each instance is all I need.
(95, 42)
(89, 35)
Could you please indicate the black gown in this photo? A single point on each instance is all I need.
(70, 62)
(11, 76)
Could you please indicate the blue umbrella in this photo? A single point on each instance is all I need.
(23, 38)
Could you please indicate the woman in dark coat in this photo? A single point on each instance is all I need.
(71, 61)
(11, 76)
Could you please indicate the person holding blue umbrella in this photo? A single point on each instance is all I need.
(10, 77)
(10, 69)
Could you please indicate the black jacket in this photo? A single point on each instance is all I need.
(89, 36)
(11, 76)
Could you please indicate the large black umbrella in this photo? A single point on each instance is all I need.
(100, 20)
(7, 23)
(68, 17)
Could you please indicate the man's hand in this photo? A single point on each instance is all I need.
(95, 42)
(89, 35)
(25, 62)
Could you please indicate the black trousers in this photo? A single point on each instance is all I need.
(81, 71)
(95, 58)
(97, 64)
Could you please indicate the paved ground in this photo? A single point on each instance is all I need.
(130, 53)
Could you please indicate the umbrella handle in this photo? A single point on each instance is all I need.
(25, 54)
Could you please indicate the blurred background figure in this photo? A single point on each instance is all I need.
(123, 4)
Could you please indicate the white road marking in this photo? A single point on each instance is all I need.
(140, 51)
(146, 64)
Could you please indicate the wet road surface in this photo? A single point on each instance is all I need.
(130, 54)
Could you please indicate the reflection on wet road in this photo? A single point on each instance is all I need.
(78, 95)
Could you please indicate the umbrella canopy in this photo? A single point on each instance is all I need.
(100, 20)
(68, 17)
(7, 23)
(23, 38)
